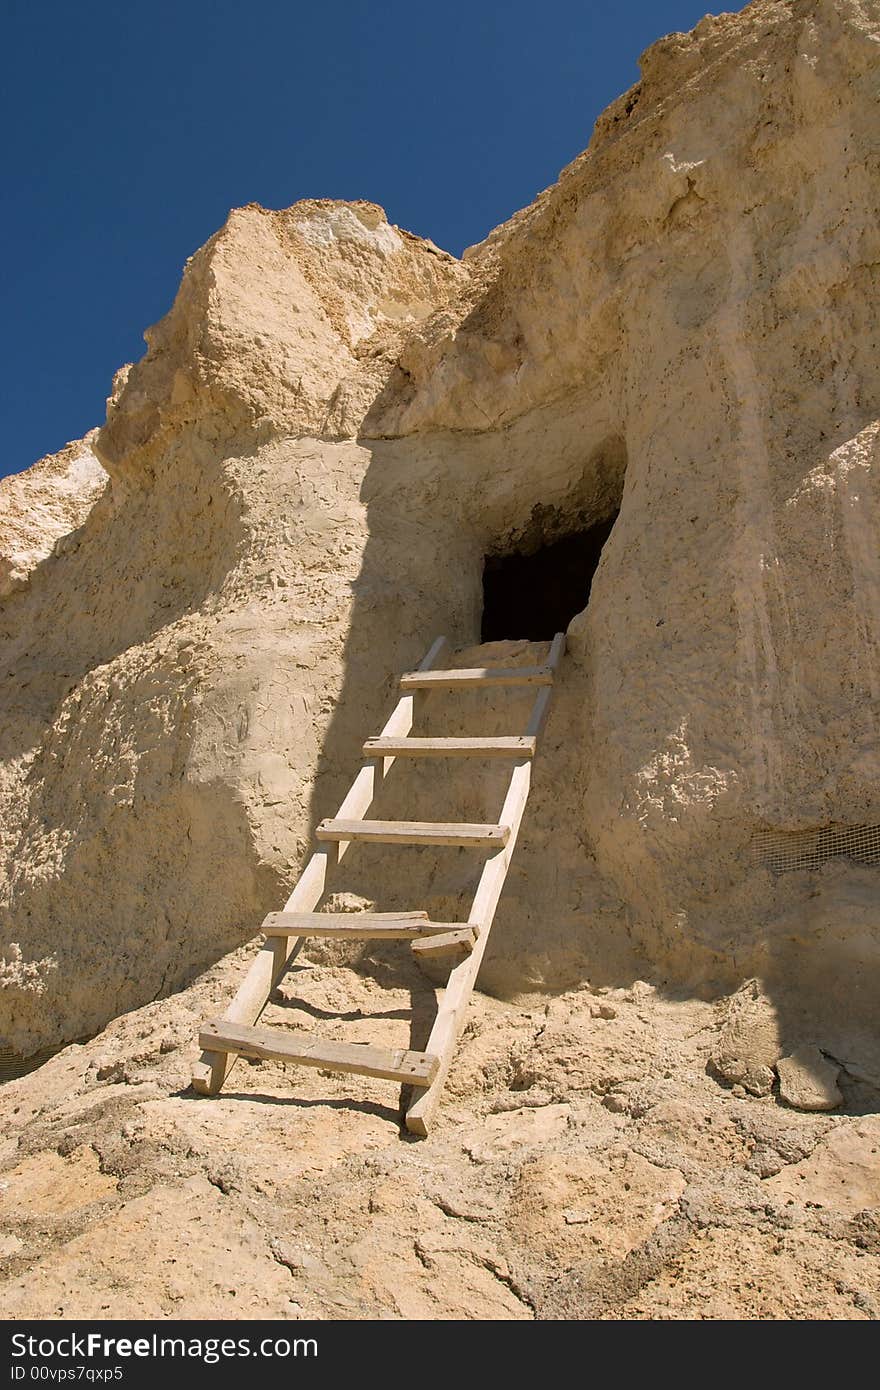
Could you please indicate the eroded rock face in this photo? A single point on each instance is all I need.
(286, 323)
(336, 423)
(41, 506)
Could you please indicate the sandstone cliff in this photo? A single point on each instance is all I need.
(43, 506)
(334, 425)
(331, 430)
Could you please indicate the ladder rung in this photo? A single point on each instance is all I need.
(517, 746)
(275, 1045)
(476, 676)
(414, 832)
(353, 926)
(458, 942)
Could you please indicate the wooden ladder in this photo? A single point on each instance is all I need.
(235, 1035)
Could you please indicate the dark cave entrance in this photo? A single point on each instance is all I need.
(535, 594)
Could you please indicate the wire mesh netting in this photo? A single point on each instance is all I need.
(784, 850)
(13, 1065)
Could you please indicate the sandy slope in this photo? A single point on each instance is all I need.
(586, 1166)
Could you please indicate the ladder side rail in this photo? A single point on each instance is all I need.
(452, 1008)
(556, 652)
(273, 958)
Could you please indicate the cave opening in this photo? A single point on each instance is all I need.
(533, 594)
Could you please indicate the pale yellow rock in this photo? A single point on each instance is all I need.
(199, 1256)
(517, 1129)
(766, 1278)
(841, 1174)
(808, 1081)
(49, 1185)
(588, 1206)
(42, 506)
(749, 1042)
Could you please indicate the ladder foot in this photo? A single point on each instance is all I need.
(209, 1073)
(416, 1125)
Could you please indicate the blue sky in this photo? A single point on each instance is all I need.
(130, 130)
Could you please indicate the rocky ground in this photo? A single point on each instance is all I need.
(590, 1161)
